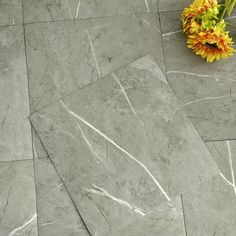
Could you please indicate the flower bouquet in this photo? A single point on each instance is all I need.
(204, 23)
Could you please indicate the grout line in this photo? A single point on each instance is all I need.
(27, 77)
(20, 160)
(162, 45)
(185, 226)
(171, 11)
(2, 26)
(91, 18)
(219, 140)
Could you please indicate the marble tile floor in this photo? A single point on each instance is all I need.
(109, 125)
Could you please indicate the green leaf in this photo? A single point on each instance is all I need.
(230, 6)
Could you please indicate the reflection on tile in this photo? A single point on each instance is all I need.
(207, 91)
(46, 10)
(56, 212)
(128, 121)
(15, 134)
(173, 5)
(10, 12)
(17, 199)
(65, 56)
(210, 209)
(166, 222)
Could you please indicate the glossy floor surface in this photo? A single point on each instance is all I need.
(109, 125)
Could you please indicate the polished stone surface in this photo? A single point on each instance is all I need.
(65, 56)
(173, 5)
(207, 91)
(210, 209)
(15, 130)
(129, 120)
(56, 212)
(17, 199)
(46, 10)
(166, 222)
(224, 154)
(10, 12)
(112, 151)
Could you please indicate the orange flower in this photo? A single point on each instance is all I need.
(211, 45)
(191, 16)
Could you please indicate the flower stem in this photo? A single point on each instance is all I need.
(231, 25)
(225, 9)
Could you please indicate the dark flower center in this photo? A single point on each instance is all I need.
(211, 45)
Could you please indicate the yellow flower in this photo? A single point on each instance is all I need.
(193, 15)
(211, 45)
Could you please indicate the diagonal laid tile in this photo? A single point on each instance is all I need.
(17, 199)
(123, 146)
(10, 12)
(65, 56)
(56, 212)
(207, 91)
(46, 10)
(15, 130)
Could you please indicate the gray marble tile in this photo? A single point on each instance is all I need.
(210, 209)
(173, 5)
(65, 56)
(170, 22)
(10, 12)
(224, 154)
(46, 10)
(207, 91)
(166, 222)
(15, 131)
(57, 215)
(129, 121)
(17, 199)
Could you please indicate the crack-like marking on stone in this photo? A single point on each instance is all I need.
(50, 191)
(90, 146)
(187, 73)
(34, 151)
(127, 98)
(170, 33)
(68, 5)
(221, 174)
(48, 223)
(102, 192)
(154, 27)
(6, 204)
(146, 3)
(13, 232)
(77, 10)
(204, 99)
(93, 52)
(231, 166)
(117, 146)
